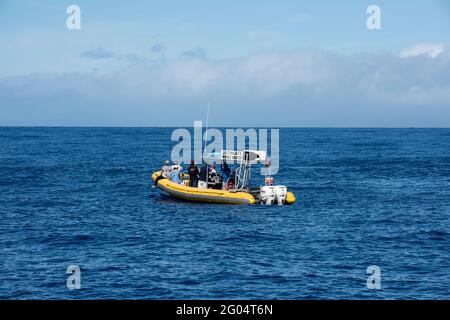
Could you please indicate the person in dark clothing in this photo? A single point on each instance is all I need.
(204, 172)
(193, 174)
(226, 171)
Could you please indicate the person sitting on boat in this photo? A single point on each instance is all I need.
(214, 178)
(211, 173)
(230, 183)
(268, 180)
(193, 175)
(212, 170)
(165, 173)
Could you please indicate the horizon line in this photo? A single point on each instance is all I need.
(222, 127)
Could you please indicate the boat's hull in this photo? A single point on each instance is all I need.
(208, 195)
(203, 195)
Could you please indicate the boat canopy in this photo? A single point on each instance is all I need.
(245, 159)
(249, 157)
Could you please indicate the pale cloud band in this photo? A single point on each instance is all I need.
(302, 87)
(431, 50)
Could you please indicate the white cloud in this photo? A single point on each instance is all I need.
(431, 50)
(310, 88)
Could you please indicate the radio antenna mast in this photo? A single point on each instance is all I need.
(207, 125)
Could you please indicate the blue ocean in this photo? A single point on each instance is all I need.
(83, 196)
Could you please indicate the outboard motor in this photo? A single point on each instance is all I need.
(267, 195)
(280, 194)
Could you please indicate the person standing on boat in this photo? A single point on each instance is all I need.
(176, 166)
(175, 175)
(203, 176)
(226, 172)
(193, 175)
(165, 173)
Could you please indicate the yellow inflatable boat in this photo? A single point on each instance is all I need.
(185, 192)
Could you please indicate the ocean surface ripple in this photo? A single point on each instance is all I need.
(83, 196)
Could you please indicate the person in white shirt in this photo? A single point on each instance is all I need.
(166, 170)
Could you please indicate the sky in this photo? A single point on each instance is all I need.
(286, 63)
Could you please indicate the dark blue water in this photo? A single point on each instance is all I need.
(365, 197)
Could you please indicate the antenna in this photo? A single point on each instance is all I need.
(207, 125)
